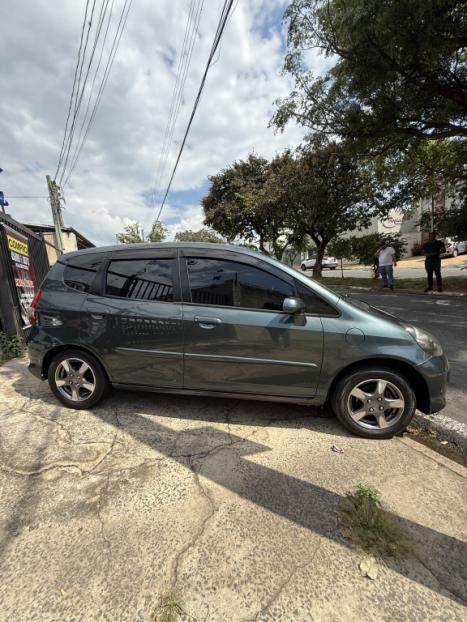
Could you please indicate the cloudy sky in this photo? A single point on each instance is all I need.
(114, 180)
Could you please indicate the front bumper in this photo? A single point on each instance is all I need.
(435, 372)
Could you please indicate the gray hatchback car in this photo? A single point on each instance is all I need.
(208, 319)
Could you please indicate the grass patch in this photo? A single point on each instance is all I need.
(169, 608)
(450, 283)
(363, 520)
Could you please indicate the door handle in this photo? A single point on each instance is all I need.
(207, 322)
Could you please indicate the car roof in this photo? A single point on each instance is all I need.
(159, 245)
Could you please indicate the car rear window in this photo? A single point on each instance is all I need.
(143, 279)
(81, 270)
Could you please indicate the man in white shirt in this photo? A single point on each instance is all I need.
(386, 261)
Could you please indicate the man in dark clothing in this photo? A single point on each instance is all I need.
(432, 250)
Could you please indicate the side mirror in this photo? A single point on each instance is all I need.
(293, 306)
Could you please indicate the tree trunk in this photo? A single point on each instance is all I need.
(320, 248)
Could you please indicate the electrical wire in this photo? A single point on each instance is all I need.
(217, 37)
(113, 51)
(177, 95)
(73, 89)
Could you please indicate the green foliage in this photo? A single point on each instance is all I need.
(369, 527)
(203, 235)
(417, 249)
(452, 222)
(158, 233)
(10, 347)
(169, 609)
(134, 234)
(364, 248)
(318, 194)
(398, 70)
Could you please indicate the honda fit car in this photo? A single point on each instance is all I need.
(208, 319)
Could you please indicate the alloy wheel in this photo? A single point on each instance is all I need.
(75, 379)
(376, 404)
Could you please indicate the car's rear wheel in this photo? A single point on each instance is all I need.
(303, 267)
(77, 379)
(374, 402)
(455, 252)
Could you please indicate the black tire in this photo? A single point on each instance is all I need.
(303, 267)
(397, 389)
(455, 252)
(333, 268)
(94, 375)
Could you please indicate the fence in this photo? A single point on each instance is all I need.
(23, 267)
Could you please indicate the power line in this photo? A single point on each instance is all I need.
(113, 51)
(217, 37)
(177, 94)
(73, 89)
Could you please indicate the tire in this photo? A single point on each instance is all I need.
(365, 383)
(333, 268)
(455, 252)
(86, 387)
(303, 267)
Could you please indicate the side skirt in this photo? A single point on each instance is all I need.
(305, 401)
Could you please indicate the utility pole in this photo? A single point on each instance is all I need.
(54, 195)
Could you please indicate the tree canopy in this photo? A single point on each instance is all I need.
(398, 70)
(134, 234)
(202, 235)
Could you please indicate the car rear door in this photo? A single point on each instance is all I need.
(133, 320)
(237, 339)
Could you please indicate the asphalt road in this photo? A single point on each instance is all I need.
(446, 318)
(402, 273)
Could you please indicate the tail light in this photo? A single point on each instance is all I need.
(33, 309)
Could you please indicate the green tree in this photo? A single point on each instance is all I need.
(134, 234)
(398, 70)
(202, 235)
(250, 200)
(158, 233)
(333, 192)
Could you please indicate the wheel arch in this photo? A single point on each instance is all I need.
(49, 356)
(410, 373)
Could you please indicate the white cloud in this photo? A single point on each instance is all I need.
(117, 166)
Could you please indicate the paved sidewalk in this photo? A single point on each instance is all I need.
(230, 503)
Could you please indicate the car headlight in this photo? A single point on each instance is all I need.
(425, 340)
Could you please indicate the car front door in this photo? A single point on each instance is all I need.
(237, 339)
(134, 319)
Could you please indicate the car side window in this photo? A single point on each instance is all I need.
(142, 279)
(234, 284)
(313, 303)
(80, 271)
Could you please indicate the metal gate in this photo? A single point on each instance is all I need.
(12, 320)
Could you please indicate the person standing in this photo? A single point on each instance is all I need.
(432, 250)
(386, 261)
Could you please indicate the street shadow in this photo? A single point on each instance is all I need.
(440, 560)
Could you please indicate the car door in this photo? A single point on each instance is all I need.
(133, 320)
(237, 339)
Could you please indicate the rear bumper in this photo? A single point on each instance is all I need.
(36, 354)
(435, 372)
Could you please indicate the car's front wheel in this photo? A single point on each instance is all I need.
(374, 402)
(455, 252)
(303, 267)
(77, 379)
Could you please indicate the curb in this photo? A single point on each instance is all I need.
(448, 428)
(400, 291)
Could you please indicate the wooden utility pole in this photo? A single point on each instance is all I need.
(54, 196)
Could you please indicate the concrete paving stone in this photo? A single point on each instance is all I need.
(230, 503)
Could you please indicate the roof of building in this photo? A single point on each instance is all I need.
(80, 239)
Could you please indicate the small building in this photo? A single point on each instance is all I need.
(72, 240)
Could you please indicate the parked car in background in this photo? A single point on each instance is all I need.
(460, 247)
(328, 262)
(212, 319)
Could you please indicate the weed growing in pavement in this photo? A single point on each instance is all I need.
(369, 527)
(169, 608)
(10, 347)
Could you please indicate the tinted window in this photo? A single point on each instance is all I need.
(313, 303)
(80, 271)
(144, 279)
(233, 284)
